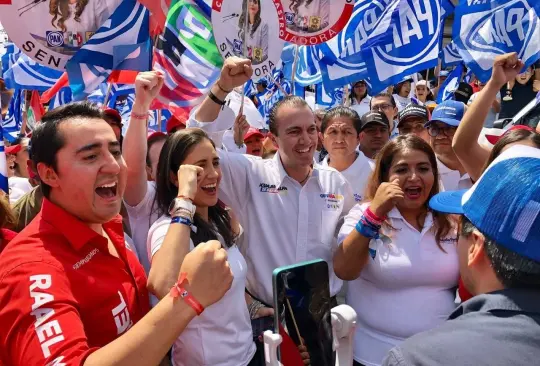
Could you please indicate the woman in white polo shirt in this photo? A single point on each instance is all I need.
(187, 183)
(340, 129)
(399, 257)
(359, 98)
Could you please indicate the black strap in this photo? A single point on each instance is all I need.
(215, 99)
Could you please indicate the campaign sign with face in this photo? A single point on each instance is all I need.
(51, 31)
(310, 22)
(256, 22)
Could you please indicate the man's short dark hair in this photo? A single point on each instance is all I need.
(47, 140)
(384, 95)
(343, 112)
(512, 269)
(289, 101)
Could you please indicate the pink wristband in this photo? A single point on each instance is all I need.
(139, 116)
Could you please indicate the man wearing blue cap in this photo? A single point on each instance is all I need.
(441, 128)
(499, 257)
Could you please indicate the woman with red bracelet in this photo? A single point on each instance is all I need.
(399, 256)
(187, 182)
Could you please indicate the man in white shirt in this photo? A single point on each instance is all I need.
(441, 128)
(289, 208)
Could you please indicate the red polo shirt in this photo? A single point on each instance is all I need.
(62, 295)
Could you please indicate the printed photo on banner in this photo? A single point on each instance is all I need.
(254, 22)
(309, 22)
(51, 31)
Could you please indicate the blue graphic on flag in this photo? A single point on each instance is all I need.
(93, 63)
(4, 185)
(405, 40)
(25, 73)
(119, 90)
(450, 55)
(12, 123)
(468, 78)
(450, 85)
(9, 56)
(98, 95)
(272, 95)
(341, 60)
(328, 98)
(64, 96)
(136, 57)
(486, 29)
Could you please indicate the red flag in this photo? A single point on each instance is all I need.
(158, 17)
(35, 112)
(290, 355)
(49, 94)
(5, 2)
(123, 76)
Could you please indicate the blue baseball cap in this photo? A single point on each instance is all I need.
(504, 204)
(450, 112)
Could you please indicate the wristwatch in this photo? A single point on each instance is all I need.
(181, 204)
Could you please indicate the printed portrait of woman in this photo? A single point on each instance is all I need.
(80, 18)
(257, 32)
(307, 16)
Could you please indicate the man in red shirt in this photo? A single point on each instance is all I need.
(71, 292)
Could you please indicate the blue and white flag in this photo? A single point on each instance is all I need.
(12, 123)
(93, 63)
(450, 55)
(485, 29)
(9, 56)
(405, 40)
(136, 57)
(340, 59)
(307, 67)
(119, 90)
(98, 95)
(450, 85)
(468, 78)
(62, 97)
(4, 184)
(272, 95)
(28, 74)
(328, 98)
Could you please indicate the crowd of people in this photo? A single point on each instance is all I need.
(154, 249)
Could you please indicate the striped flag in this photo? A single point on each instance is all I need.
(450, 55)
(25, 73)
(93, 63)
(62, 97)
(188, 57)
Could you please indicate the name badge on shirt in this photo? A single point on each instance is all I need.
(332, 201)
(271, 188)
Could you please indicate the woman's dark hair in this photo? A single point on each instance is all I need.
(295, 4)
(509, 138)
(46, 138)
(242, 20)
(60, 8)
(381, 174)
(341, 112)
(175, 150)
(352, 96)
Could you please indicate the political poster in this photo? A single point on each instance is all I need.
(254, 22)
(310, 22)
(51, 31)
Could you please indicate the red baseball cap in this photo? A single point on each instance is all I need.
(493, 139)
(174, 122)
(114, 115)
(152, 134)
(13, 149)
(253, 132)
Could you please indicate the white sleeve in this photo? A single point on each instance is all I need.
(229, 144)
(144, 208)
(223, 122)
(351, 220)
(156, 236)
(234, 186)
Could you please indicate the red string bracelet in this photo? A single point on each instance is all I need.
(139, 116)
(370, 215)
(178, 290)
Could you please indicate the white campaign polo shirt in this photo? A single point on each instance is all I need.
(357, 175)
(406, 289)
(452, 180)
(362, 107)
(284, 223)
(222, 334)
(140, 219)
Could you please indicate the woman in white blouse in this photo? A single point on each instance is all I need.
(359, 98)
(340, 129)
(399, 256)
(190, 213)
(257, 31)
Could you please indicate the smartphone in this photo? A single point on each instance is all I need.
(302, 306)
